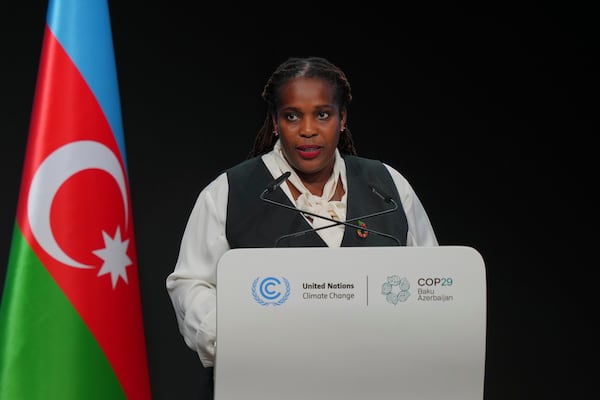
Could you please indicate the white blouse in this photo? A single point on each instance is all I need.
(192, 284)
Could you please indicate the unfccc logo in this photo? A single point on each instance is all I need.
(271, 291)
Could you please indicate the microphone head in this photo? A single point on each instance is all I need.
(278, 181)
(383, 196)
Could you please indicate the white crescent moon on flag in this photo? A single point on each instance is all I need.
(60, 165)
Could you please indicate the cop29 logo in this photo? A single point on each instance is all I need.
(271, 291)
(395, 289)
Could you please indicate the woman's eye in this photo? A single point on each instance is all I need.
(291, 117)
(323, 115)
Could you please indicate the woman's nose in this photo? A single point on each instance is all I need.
(308, 127)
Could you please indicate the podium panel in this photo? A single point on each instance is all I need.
(351, 323)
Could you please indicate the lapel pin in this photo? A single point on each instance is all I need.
(360, 232)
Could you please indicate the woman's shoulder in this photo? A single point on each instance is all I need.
(361, 162)
(245, 164)
(246, 168)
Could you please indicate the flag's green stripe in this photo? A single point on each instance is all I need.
(46, 350)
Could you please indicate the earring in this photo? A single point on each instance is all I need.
(276, 133)
(342, 129)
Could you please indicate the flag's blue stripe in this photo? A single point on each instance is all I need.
(83, 28)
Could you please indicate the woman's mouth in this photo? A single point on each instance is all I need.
(308, 152)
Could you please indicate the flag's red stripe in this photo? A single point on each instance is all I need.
(65, 110)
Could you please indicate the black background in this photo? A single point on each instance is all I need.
(486, 111)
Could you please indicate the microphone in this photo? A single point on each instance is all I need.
(383, 196)
(271, 187)
(279, 180)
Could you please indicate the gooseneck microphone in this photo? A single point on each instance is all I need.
(271, 187)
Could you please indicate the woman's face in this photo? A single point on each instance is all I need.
(309, 123)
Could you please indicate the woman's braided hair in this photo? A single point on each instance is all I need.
(309, 67)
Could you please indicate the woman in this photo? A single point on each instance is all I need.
(306, 134)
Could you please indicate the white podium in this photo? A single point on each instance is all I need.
(351, 323)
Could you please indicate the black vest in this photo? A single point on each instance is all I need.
(252, 222)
